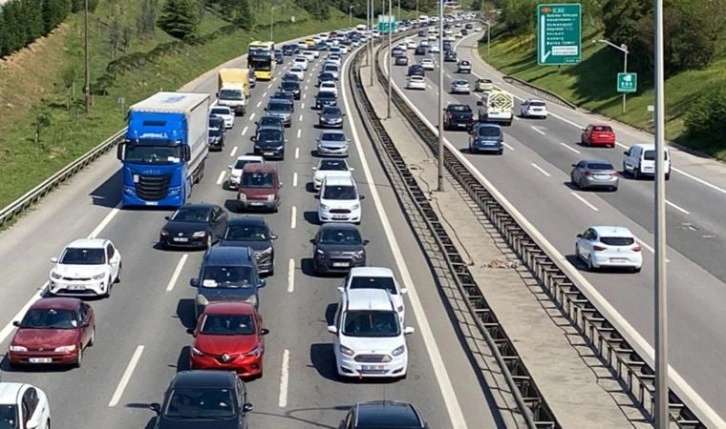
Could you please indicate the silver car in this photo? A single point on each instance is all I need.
(595, 173)
(460, 86)
(332, 143)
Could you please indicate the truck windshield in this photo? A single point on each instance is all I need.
(153, 154)
(231, 94)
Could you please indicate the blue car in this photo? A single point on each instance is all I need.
(487, 138)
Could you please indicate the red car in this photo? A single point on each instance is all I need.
(229, 336)
(53, 331)
(598, 135)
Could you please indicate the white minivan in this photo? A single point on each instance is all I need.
(639, 161)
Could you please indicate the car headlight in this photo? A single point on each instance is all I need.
(320, 251)
(252, 299)
(202, 300)
(359, 254)
(65, 349)
(265, 252)
(17, 348)
(256, 352)
(196, 352)
(99, 276)
(324, 207)
(346, 351)
(164, 232)
(398, 350)
(199, 234)
(55, 275)
(271, 198)
(355, 207)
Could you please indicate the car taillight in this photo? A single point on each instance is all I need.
(636, 248)
(598, 248)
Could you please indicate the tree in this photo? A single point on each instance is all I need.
(42, 120)
(114, 37)
(54, 12)
(179, 19)
(31, 10)
(69, 79)
(146, 21)
(4, 47)
(245, 19)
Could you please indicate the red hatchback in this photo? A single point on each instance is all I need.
(53, 331)
(598, 135)
(229, 336)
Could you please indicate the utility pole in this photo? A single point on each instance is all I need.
(370, 42)
(440, 182)
(272, 22)
(87, 66)
(350, 16)
(624, 49)
(388, 56)
(398, 14)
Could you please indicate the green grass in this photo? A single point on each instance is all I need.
(32, 81)
(591, 84)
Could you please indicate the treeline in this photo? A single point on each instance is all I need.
(319, 9)
(24, 21)
(181, 18)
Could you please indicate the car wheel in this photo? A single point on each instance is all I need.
(79, 359)
(501, 152)
(577, 252)
(636, 173)
(574, 182)
(107, 293)
(625, 170)
(118, 275)
(590, 264)
(209, 241)
(637, 269)
(92, 341)
(668, 176)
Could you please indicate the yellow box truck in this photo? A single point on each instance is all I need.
(233, 89)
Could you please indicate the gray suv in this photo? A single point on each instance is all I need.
(338, 247)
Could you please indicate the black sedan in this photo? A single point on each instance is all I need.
(338, 247)
(269, 121)
(289, 77)
(292, 88)
(401, 61)
(269, 141)
(325, 98)
(279, 57)
(196, 397)
(253, 231)
(393, 413)
(330, 117)
(450, 57)
(194, 225)
(325, 77)
(283, 95)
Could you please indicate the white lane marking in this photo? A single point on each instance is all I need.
(294, 180)
(516, 118)
(106, 220)
(299, 132)
(284, 379)
(293, 217)
(259, 103)
(177, 272)
(538, 130)
(302, 106)
(264, 94)
(297, 152)
(306, 88)
(569, 148)
(244, 131)
(644, 244)
(300, 118)
(126, 377)
(448, 392)
(291, 276)
(679, 208)
(220, 179)
(252, 116)
(701, 181)
(541, 170)
(508, 146)
(234, 151)
(585, 202)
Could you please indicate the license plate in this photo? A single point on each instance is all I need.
(40, 360)
(256, 204)
(152, 203)
(602, 177)
(181, 239)
(77, 287)
(341, 264)
(340, 217)
(372, 367)
(618, 260)
(269, 153)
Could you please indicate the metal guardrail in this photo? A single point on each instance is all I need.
(532, 407)
(539, 91)
(622, 356)
(31, 197)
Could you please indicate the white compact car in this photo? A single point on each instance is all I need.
(310, 55)
(328, 86)
(609, 247)
(343, 49)
(533, 108)
(434, 48)
(427, 64)
(301, 62)
(410, 44)
(86, 267)
(416, 82)
(339, 200)
(330, 167)
(235, 170)
(376, 278)
(335, 59)
(298, 72)
(23, 406)
(639, 161)
(369, 337)
(225, 113)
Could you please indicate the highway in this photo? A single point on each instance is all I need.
(141, 330)
(533, 174)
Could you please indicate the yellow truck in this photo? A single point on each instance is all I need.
(233, 89)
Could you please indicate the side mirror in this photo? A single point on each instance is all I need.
(230, 166)
(573, 165)
(627, 152)
(347, 140)
(341, 289)
(264, 331)
(16, 323)
(252, 138)
(315, 168)
(167, 217)
(54, 260)
(361, 197)
(408, 330)
(247, 408)
(273, 237)
(579, 235)
(262, 283)
(265, 109)
(365, 242)
(317, 197)
(332, 329)
(404, 291)
(194, 282)
(155, 407)
(281, 184)
(191, 331)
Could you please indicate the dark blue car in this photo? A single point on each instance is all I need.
(487, 138)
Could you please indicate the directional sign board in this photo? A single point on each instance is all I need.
(559, 34)
(627, 82)
(385, 22)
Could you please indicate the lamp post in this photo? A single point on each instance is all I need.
(272, 22)
(350, 16)
(489, 38)
(87, 68)
(440, 175)
(624, 49)
(388, 57)
(370, 42)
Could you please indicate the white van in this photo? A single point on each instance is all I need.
(639, 161)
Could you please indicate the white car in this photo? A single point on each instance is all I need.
(533, 108)
(330, 167)
(298, 72)
(328, 86)
(432, 37)
(426, 44)
(370, 340)
(427, 63)
(416, 82)
(343, 49)
(225, 113)
(376, 278)
(86, 267)
(434, 48)
(410, 44)
(235, 170)
(23, 406)
(460, 86)
(335, 59)
(310, 55)
(609, 247)
(301, 62)
(339, 200)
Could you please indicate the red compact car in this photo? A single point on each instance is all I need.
(53, 331)
(598, 135)
(229, 336)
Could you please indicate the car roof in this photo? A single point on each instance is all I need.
(484, 125)
(88, 243)
(229, 307)
(596, 161)
(247, 220)
(645, 146)
(260, 167)
(66, 303)
(535, 99)
(368, 299)
(280, 100)
(339, 180)
(371, 272)
(613, 231)
(328, 83)
(198, 205)
(217, 106)
(232, 255)
(332, 132)
(204, 378)
(338, 226)
(9, 392)
(388, 414)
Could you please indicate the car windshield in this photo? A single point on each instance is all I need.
(200, 403)
(350, 237)
(322, 95)
(269, 136)
(461, 82)
(340, 193)
(333, 165)
(49, 318)
(290, 78)
(258, 180)
(600, 166)
(489, 132)
(617, 241)
(290, 86)
(191, 214)
(220, 112)
(280, 94)
(332, 137)
(649, 155)
(247, 233)
(327, 84)
(537, 103)
(230, 94)
(240, 164)
(215, 132)
(384, 283)
(279, 107)
(273, 121)
(226, 277)
(228, 324)
(459, 108)
(367, 323)
(80, 256)
(331, 111)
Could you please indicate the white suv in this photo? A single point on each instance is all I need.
(378, 278)
(369, 337)
(86, 267)
(339, 200)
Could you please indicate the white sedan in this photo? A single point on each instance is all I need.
(411, 44)
(330, 166)
(86, 267)
(416, 82)
(25, 402)
(609, 247)
(427, 64)
(533, 108)
(434, 48)
(377, 278)
(225, 113)
(328, 86)
(298, 72)
(300, 62)
(235, 170)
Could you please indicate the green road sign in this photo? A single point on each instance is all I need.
(559, 34)
(627, 82)
(385, 22)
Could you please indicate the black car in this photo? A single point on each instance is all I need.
(282, 95)
(279, 58)
(330, 117)
(464, 32)
(196, 397)
(289, 50)
(447, 46)
(450, 56)
(269, 140)
(388, 414)
(325, 98)
(420, 50)
(217, 133)
(416, 70)
(253, 232)
(338, 247)
(458, 116)
(401, 61)
(422, 33)
(194, 225)
(289, 77)
(227, 274)
(268, 121)
(292, 88)
(325, 77)
(469, 26)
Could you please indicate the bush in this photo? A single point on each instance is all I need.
(704, 120)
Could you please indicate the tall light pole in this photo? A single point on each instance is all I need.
(350, 16)
(489, 37)
(388, 57)
(370, 43)
(624, 49)
(86, 67)
(272, 22)
(398, 14)
(440, 179)
(661, 297)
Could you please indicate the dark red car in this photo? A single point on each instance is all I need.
(259, 188)
(53, 331)
(229, 336)
(598, 135)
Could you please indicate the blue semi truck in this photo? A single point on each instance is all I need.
(165, 149)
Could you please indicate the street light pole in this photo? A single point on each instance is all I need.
(398, 14)
(87, 67)
(440, 178)
(624, 49)
(489, 38)
(350, 16)
(388, 57)
(272, 22)
(370, 42)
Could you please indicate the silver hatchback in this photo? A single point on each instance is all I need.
(595, 173)
(332, 143)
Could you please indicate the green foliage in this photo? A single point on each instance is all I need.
(146, 21)
(23, 21)
(318, 9)
(180, 19)
(244, 17)
(704, 120)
